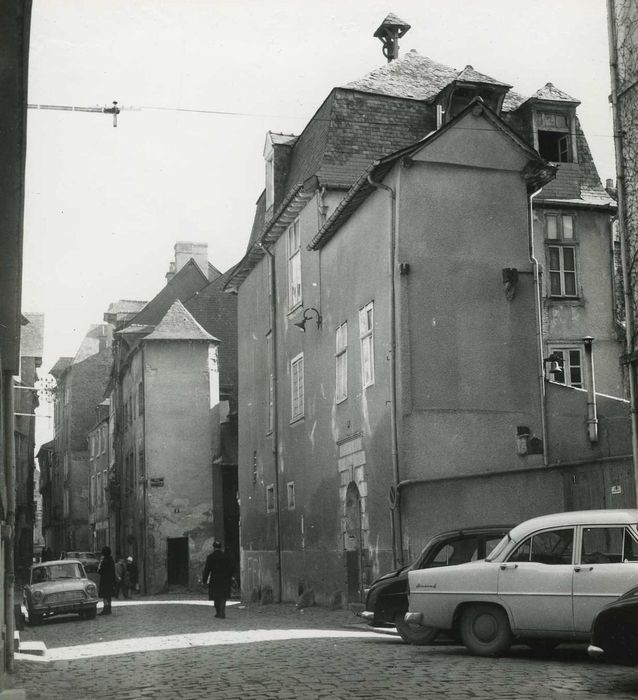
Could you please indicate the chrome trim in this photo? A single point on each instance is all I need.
(366, 615)
(595, 652)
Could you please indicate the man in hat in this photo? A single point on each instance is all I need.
(218, 573)
(106, 569)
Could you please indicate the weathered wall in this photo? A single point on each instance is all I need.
(178, 417)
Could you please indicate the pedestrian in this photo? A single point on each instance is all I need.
(218, 573)
(133, 574)
(121, 577)
(106, 569)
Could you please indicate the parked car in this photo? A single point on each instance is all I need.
(90, 561)
(542, 584)
(614, 635)
(57, 588)
(387, 598)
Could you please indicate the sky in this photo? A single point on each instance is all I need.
(200, 83)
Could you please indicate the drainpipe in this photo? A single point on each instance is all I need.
(144, 487)
(622, 221)
(592, 417)
(397, 539)
(275, 416)
(539, 329)
(8, 530)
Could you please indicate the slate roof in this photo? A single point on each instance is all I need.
(386, 110)
(179, 324)
(282, 139)
(62, 364)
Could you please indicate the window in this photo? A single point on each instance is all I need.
(570, 367)
(290, 493)
(65, 467)
(105, 484)
(296, 388)
(66, 503)
(103, 433)
(270, 181)
(551, 547)
(140, 399)
(608, 545)
(457, 551)
(561, 255)
(294, 266)
(341, 363)
(140, 463)
(270, 498)
(554, 137)
(92, 493)
(366, 325)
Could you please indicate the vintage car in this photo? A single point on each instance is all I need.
(387, 598)
(614, 634)
(57, 588)
(542, 584)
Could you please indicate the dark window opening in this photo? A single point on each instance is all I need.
(555, 146)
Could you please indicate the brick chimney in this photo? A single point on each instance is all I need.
(184, 251)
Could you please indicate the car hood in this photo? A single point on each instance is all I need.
(59, 586)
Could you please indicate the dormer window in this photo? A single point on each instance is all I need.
(554, 135)
(270, 180)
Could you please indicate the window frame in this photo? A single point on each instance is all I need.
(297, 388)
(341, 362)
(366, 344)
(565, 134)
(565, 349)
(290, 491)
(293, 249)
(271, 505)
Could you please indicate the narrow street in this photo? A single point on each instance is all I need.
(175, 648)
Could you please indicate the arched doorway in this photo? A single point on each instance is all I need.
(352, 543)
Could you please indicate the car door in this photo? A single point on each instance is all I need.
(535, 582)
(606, 568)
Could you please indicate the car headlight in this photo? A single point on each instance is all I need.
(38, 596)
(91, 590)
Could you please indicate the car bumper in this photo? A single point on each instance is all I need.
(63, 608)
(595, 652)
(414, 618)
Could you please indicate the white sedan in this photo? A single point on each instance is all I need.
(542, 584)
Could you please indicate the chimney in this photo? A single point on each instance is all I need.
(389, 32)
(184, 251)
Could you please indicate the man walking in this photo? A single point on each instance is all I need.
(218, 573)
(106, 569)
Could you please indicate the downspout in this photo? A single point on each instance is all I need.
(144, 484)
(275, 416)
(622, 221)
(395, 505)
(8, 530)
(592, 412)
(539, 329)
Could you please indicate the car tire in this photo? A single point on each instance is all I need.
(485, 630)
(414, 634)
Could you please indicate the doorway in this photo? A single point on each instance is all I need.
(352, 543)
(177, 561)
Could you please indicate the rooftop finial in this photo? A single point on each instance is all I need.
(389, 32)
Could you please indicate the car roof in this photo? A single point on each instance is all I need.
(610, 516)
(55, 562)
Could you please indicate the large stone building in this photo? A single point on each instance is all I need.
(427, 331)
(81, 384)
(173, 477)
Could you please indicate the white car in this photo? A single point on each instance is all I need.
(542, 584)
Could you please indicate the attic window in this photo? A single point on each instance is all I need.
(270, 181)
(554, 137)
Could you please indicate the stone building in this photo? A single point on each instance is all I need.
(427, 335)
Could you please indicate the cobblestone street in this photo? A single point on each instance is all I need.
(154, 648)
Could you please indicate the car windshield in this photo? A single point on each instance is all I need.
(56, 572)
(498, 549)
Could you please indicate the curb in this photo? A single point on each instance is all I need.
(33, 648)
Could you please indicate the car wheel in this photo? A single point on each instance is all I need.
(485, 630)
(414, 634)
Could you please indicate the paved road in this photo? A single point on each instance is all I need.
(174, 650)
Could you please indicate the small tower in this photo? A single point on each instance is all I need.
(391, 30)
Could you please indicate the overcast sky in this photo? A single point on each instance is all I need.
(104, 205)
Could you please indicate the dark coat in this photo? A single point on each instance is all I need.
(220, 569)
(106, 569)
